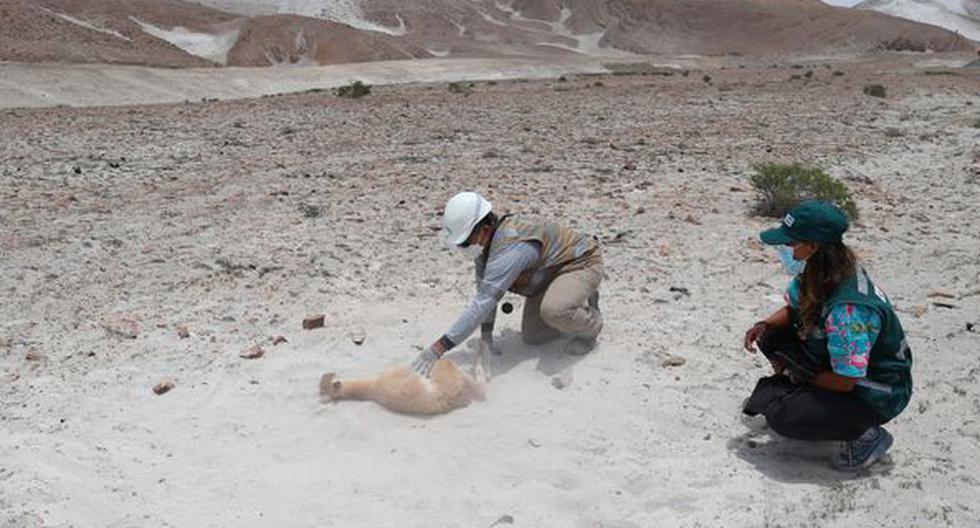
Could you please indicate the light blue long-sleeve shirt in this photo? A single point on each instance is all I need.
(499, 274)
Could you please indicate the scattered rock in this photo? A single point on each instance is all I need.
(916, 311)
(122, 327)
(673, 361)
(942, 294)
(253, 352)
(562, 379)
(278, 340)
(681, 290)
(504, 519)
(163, 387)
(183, 332)
(313, 321)
(34, 355)
(358, 337)
(533, 443)
(630, 166)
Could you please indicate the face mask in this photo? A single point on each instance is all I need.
(473, 251)
(792, 266)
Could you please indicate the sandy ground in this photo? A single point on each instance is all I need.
(40, 85)
(237, 219)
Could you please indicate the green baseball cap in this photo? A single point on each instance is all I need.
(808, 221)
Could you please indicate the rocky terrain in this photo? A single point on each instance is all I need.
(150, 247)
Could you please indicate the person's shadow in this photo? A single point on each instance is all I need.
(794, 461)
(510, 351)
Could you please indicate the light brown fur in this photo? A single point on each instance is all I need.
(401, 390)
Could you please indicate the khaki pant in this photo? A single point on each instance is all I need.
(562, 309)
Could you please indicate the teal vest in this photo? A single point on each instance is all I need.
(887, 386)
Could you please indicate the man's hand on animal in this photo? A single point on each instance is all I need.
(424, 362)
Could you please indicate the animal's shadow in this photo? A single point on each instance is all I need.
(511, 350)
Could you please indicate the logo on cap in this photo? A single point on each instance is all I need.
(789, 220)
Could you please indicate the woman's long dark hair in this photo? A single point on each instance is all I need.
(825, 270)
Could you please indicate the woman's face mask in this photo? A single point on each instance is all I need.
(790, 264)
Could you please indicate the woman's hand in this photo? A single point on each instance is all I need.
(754, 334)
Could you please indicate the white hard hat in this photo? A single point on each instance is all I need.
(462, 213)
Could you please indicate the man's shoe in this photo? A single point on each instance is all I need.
(864, 451)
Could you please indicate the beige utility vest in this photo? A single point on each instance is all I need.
(562, 250)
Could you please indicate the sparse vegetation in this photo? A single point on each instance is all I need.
(795, 77)
(706, 78)
(781, 186)
(354, 90)
(808, 74)
(893, 132)
(838, 73)
(976, 124)
(460, 88)
(902, 44)
(874, 90)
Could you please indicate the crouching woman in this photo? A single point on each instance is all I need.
(841, 361)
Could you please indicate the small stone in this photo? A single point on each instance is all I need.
(34, 355)
(673, 361)
(630, 166)
(183, 332)
(562, 379)
(533, 443)
(278, 340)
(504, 519)
(253, 352)
(122, 327)
(358, 337)
(313, 321)
(163, 387)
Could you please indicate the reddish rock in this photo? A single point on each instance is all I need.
(278, 340)
(163, 387)
(34, 355)
(122, 327)
(253, 352)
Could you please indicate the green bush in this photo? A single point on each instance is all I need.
(874, 90)
(460, 88)
(354, 90)
(780, 187)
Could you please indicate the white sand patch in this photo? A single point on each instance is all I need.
(586, 43)
(962, 16)
(343, 11)
(438, 53)
(213, 47)
(86, 25)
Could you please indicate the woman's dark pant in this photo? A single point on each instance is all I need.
(802, 411)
